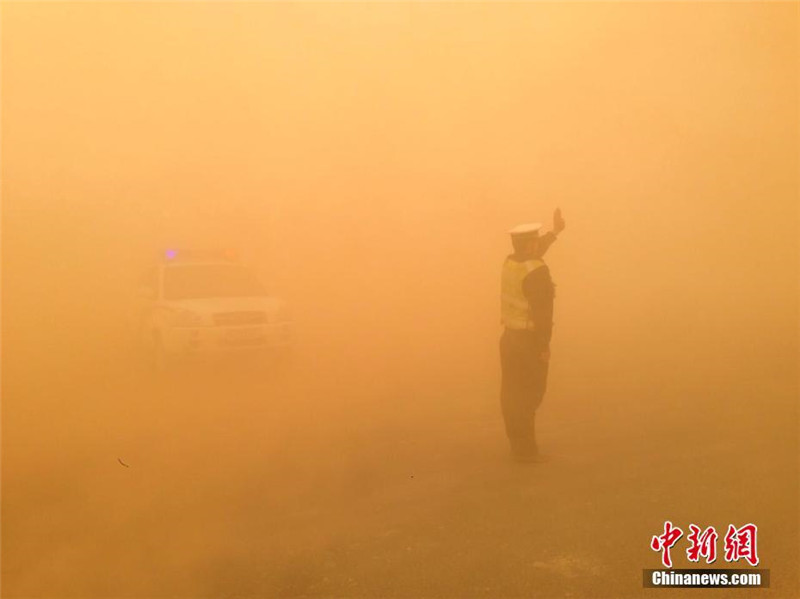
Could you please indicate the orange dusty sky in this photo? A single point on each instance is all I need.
(367, 160)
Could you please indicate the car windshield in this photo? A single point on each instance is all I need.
(195, 281)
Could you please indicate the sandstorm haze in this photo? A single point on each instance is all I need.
(366, 160)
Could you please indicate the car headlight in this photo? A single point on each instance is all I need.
(187, 318)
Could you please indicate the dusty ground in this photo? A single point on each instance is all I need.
(284, 483)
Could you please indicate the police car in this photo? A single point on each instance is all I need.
(205, 303)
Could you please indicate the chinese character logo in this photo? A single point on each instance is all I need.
(665, 542)
(740, 543)
(702, 544)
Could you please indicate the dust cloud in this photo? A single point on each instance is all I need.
(366, 160)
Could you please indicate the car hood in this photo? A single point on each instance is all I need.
(211, 305)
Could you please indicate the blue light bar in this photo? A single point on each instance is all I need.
(184, 255)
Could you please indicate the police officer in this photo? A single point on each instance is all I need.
(527, 293)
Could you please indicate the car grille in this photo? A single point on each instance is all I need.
(232, 319)
(246, 342)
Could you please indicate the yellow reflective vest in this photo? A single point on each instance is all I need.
(514, 309)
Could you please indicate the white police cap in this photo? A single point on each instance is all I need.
(528, 229)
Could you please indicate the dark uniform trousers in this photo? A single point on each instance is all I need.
(524, 381)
